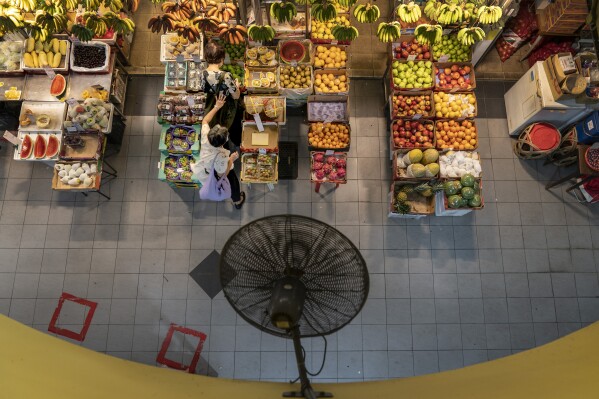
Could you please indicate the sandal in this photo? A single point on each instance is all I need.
(240, 204)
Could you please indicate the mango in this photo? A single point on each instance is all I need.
(43, 59)
(46, 47)
(49, 57)
(63, 47)
(30, 44)
(38, 47)
(55, 45)
(36, 62)
(28, 60)
(56, 61)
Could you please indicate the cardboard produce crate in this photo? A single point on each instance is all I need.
(421, 206)
(429, 114)
(251, 137)
(401, 173)
(344, 149)
(444, 65)
(335, 73)
(415, 89)
(394, 146)
(317, 101)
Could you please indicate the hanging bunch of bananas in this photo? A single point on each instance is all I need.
(113, 5)
(70, 5)
(450, 14)
(91, 4)
(221, 11)
(388, 31)
(81, 32)
(408, 13)
(119, 23)
(233, 34)
(261, 33)
(344, 33)
(469, 36)
(10, 18)
(187, 30)
(489, 14)
(165, 22)
(347, 3)
(283, 11)
(431, 8)
(367, 13)
(53, 23)
(132, 5)
(25, 5)
(96, 23)
(206, 24)
(181, 9)
(323, 10)
(428, 34)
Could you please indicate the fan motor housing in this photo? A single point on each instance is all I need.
(287, 302)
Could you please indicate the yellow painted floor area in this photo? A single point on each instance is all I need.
(36, 365)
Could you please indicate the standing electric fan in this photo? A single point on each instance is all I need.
(294, 277)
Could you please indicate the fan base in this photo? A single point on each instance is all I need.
(318, 394)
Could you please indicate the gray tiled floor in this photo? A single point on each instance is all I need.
(446, 292)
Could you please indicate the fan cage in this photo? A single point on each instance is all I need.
(327, 262)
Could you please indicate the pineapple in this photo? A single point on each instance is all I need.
(408, 188)
(403, 207)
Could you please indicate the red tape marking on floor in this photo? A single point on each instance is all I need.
(162, 359)
(80, 336)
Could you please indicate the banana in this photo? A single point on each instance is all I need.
(388, 32)
(408, 13)
(428, 34)
(323, 11)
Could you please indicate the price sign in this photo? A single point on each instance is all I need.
(454, 89)
(78, 126)
(179, 170)
(259, 124)
(159, 165)
(72, 102)
(329, 152)
(8, 136)
(416, 116)
(411, 57)
(196, 58)
(447, 31)
(71, 129)
(444, 58)
(262, 151)
(270, 186)
(180, 58)
(334, 42)
(293, 63)
(51, 74)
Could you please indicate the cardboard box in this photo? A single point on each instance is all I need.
(552, 79)
(563, 64)
(315, 99)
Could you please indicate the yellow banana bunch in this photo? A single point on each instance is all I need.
(96, 23)
(408, 13)
(344, 33)
(430, 8)
(428, 34)
(367, 13)
(489, 14)
(469, 36)
(388, 32)
(450, 14)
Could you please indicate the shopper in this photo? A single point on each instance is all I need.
(216, 149)
(215, 82)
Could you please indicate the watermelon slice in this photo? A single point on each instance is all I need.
(40, 147)
(52, 147)
(58, 86)
(26, 147)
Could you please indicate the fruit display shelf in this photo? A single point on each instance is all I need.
(420, 206)
(32, 113)
(291, 76)
(175, 76)
(176, 168)
(104, 68)
(259, 168)
(338, 85)
(12, 86)
(409, 134)
(39, 144)
(81, 82)
(79, 185)
(37, 88)
(457, 105)
(268, 108)
(450, 49)
(86, 109)
(11, 55)
(419, 105)
(405, 76)
(422, 166)
(328, 108)
(87, 146)
(255, 140)
(62, 66)
(180, 108)
(173, 48)
(454, 76)
(450, 204)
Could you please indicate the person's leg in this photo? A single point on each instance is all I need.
(235, 187)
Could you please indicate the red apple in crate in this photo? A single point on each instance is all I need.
(405, 49)
(410, 134)
(410, 105)
(454, 77)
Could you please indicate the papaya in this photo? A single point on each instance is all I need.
(28, 60)
(56, 61)
(30, 44)
(63, 47)
(36, 62)
(55, 45)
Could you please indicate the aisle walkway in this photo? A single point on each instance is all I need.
(446, 292)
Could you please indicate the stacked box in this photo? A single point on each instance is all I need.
(563, 16)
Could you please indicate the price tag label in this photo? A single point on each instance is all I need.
(417, 116)
(179, 170)
(329, 119)
(31, 117)
(78, 126)
(180, 58)
(8, 136)
(51, 74)
(411, 57)
(293, 63)
(262, 151)
(71, 129)
(72, 102)
(329, 152)
(270, 186)
(444, 58)
(159, 165)
(447, 31)
(454, 90)
(196, 58)
(190, 101)
(334, 41)
(98, 87)
(259, 124)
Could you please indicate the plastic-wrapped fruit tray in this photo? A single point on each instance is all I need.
(170, 48)
(180, 139)
(54, 109)
(328, 167)
(176, 168)
(33, 135)
(259, 168)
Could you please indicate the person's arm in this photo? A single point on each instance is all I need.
(237, 92)
(232, 158)
(220, 101)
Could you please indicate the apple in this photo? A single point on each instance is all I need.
(416, 133)
(451, 47)
(412, 47)
(454, 77)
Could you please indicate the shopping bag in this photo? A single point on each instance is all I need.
(216, 189)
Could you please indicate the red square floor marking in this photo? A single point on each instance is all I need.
(80, 336)
(191, 368)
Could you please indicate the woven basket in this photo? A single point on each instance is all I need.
(567, 153)
(525, 148)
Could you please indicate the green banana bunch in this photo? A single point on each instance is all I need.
(344, 33)
(53, 23)
(120, 25)
(388, 32)
(428, 34)
(450, 14)
(82, 32)
(489, 14)
(96, 23)
(323, 10)
(113, 5)
(283, 11)
(39, 33)
(71, 5)
(261, 33)
(408, 13)
(367, 13)
(469, 36)
(430, 8)
(347, 3)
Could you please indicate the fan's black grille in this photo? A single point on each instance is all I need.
(332, 268)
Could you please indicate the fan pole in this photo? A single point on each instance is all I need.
(306, 388)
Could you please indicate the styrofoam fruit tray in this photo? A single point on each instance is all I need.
(21, 135)
(54, 109)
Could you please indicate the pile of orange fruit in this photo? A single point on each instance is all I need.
(328, 135)
(459, 135)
